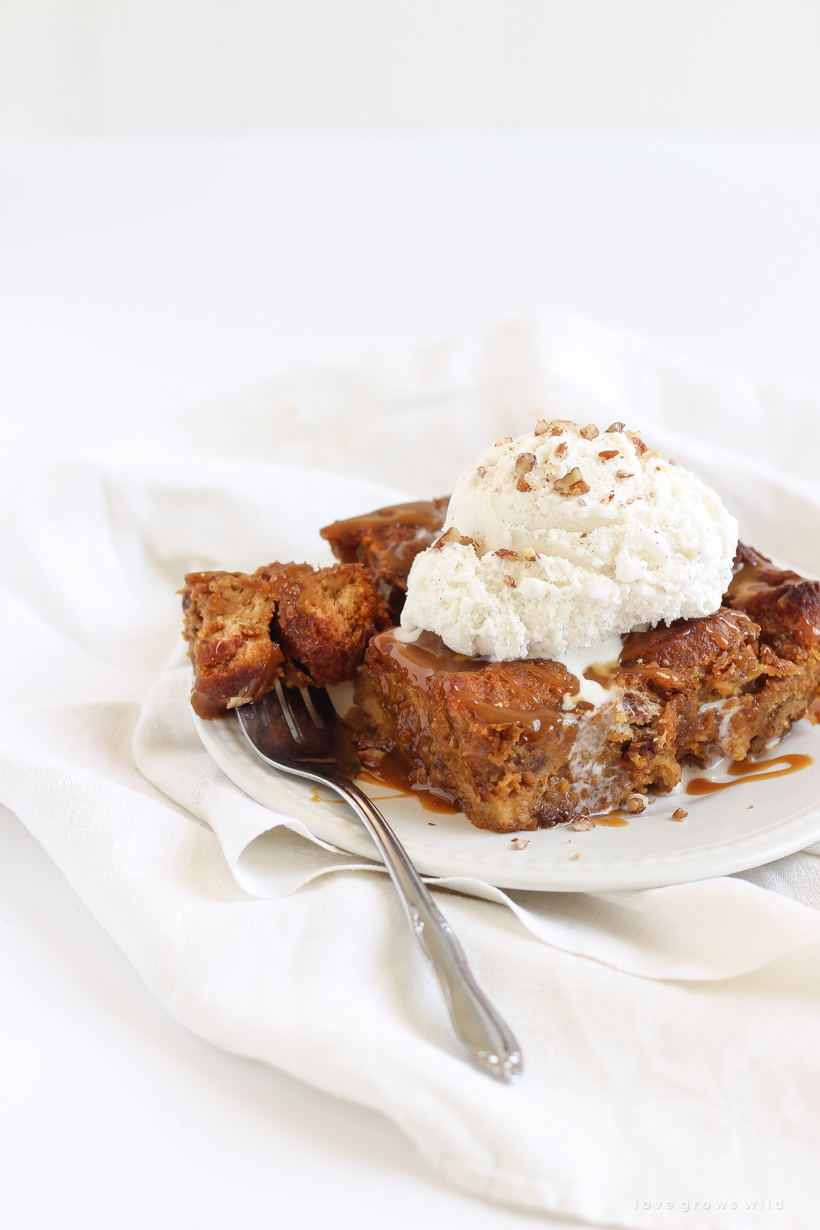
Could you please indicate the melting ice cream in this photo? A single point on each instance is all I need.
(567, 537)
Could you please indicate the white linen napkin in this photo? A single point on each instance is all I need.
(672, 1071)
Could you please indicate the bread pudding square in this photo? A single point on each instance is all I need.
(512, 744)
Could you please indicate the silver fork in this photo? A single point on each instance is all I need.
(297, 730)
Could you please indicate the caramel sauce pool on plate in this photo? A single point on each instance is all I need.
(750, 771)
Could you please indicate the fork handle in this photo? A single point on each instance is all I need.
(479, 1030)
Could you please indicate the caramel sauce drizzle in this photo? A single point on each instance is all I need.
(610, 819)
(749, 771)
(421, 659)
(315, 797)
(539, 721)
(424, 657)
(394, 771)
(747, 581)
(603, 673)
(649, 646)
(755, 578)
(428, 656)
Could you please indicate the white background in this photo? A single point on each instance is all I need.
(185, 207)
(140, 275)
(161, 65)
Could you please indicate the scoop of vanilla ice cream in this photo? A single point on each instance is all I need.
(563, 538)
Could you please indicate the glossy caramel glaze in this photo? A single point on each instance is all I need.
(425, 657)
(659, 644)
(535, 723)
(423, 514)
(421, 660)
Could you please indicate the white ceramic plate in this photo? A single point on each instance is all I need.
(754, 822)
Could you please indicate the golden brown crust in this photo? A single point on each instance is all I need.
(287, 621)
(227, 622)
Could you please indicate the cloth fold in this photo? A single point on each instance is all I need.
(669, 1034)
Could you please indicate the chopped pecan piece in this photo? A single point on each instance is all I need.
(449, 536)
(571, 483)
